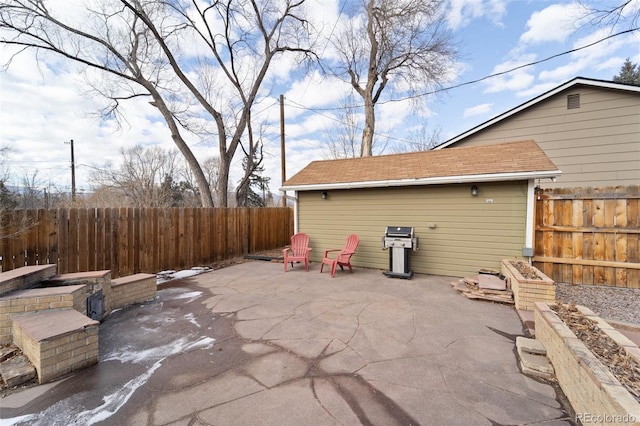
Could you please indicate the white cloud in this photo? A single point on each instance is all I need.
(516, 80)
(310, 124)
(537, 89)
(477, 110)
(611, 64)
(462, 12)
(393, 114)
(44, 109)
(600, 50)
(553, 23)
(563, 72)
(586, 62)
(43, 104)
(315, 91)
(497, 10)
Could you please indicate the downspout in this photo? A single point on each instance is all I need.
(527, 250)
(295, 212)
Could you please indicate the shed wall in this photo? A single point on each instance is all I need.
(470, 233)
(597, 144)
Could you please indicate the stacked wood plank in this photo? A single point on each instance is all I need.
(487, 285)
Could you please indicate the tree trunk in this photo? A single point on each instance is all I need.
(366, 148)
(201, 179)
(223, 180)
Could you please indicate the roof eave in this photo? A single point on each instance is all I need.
(440, 180)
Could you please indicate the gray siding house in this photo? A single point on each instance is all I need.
(589, 128)
(458, 232)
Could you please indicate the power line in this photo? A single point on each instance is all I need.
(319, 111)
(466, 83)
(324, 49)
(557, 55)
(393, 138)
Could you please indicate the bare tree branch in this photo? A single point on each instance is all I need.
(118, 46)
(403, 41)
(137, 44)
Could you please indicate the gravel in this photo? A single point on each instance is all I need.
(618, 304)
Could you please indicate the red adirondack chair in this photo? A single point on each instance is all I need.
(298, 252)
(343, 258)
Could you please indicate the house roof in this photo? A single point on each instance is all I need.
(501, 162)
(571, 83)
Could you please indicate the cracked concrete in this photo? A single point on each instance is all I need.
(302, 348)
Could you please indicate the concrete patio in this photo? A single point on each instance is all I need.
(301, 348)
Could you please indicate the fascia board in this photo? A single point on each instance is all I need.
(494, 177)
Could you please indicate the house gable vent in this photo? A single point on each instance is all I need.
(573, 101)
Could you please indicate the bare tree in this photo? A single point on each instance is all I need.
(144, 177)
(251, 34)
(32, 190)
(7, 198)
(4, 169)
(343, 140)
(211, 168)
(137, 46)
(399, 45)
(422, 139)
(99, 196)
(13, 225)
(611, 14)
(114, 39)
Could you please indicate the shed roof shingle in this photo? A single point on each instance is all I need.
(500, 159)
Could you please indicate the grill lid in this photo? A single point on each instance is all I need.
(399, 231)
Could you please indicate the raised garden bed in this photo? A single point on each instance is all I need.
(528, 283)
(594, 391)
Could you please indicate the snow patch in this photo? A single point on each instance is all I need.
(192, 319)
(63, 413)
(161, 352)
(168, 275)
(193, 295)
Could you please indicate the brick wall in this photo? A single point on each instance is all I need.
(39, 299)
(25, 277)
(594, 393)
(54, 353)
(132, 289)
(94, 282)
(528, 291)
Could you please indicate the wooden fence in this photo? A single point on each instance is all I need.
(589, 236)
(132, 240)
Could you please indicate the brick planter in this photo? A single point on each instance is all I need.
(596, 396)
(57, 342)
(527, 291)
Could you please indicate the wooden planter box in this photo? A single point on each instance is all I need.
(527, 291)
(596, 396)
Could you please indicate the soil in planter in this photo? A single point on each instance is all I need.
(526, 270)
(623, 366)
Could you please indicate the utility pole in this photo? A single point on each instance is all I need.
(282, 159)
(73, 174)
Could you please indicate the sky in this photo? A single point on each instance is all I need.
(46, 103)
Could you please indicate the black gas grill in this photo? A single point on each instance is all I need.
(401, 241)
